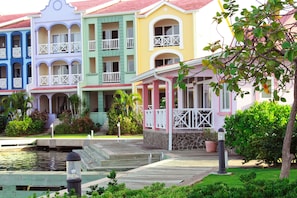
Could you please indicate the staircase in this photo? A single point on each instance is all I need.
(97, 158)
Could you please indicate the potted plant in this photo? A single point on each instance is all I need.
(211, 140)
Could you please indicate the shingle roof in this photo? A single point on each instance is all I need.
(116, 6)
(15, 21)
(137, 5)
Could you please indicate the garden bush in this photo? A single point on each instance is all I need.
(252, 188)
(27, 126)
(82, 125)
(18, 127)
(258, 132)
(62, 128)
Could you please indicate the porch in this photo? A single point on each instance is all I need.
(185, 118)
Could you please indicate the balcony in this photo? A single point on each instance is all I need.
(92, 45)
(188, 118)
(61, 79)
(110, 44)
(16, 52)
(17, 82)
(3, 83)
(29, 51)
(111, 77)
(59, 48)
(130, 43)
(2, 53)
(167, 40)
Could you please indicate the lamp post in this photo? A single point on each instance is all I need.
(119, 129)
(73, 168)
(221, 148)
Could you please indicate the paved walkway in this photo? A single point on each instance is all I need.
(180, 168)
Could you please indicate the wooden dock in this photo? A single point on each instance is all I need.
(17, 143)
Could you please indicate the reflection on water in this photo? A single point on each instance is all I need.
(32, 160)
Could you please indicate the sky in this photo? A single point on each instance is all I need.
(21, 6)
(26, 6)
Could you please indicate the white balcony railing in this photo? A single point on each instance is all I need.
(188, 118)
(29, 80)
(2, 53)
(111, 77)
(59, 48)
(130, 43)
(110, 44)
(92, 45)
(16, 52)
(62, 79)
(29, 51)
(167, 40)
(3, 83)
(17, 82)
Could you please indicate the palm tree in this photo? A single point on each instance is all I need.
(16, 105)
(125, 102)
(75, 102)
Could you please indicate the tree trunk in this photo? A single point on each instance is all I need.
(286, 151)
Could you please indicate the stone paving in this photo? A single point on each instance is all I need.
(178, 168)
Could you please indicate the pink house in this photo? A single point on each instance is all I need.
(187, 112)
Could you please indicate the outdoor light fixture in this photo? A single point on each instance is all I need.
(73, 168)
(221, 148)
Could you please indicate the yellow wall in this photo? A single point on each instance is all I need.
(143, 40)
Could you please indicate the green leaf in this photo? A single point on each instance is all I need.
(286, 45)
(283, 99)
(290, 55)
(258, 32)
(239, 35)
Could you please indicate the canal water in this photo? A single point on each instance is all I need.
(33, 159)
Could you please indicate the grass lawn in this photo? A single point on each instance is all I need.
(85, 136)
(234, 181)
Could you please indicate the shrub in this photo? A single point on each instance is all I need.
(36, 127)
(3, 123)
(18, 127)
(62, 128)
(37, 115)
(82, 125)
(257, 132)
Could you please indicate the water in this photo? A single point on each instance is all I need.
(33, 160)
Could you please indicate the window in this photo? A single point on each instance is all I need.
(16, 41)
(110, 34)
(110, 66)
(167, 30)
(131, 67)
(76, 68)
(2, 41)
(225, 99)
(60, 69)
(166, 61)
(75, 37)
(60, 38)
(92, 65)
(266, 93)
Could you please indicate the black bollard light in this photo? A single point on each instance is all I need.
(73, 168)
(221, 149)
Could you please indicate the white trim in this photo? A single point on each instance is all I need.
(223, 97)
(151, 29)
(159, 5)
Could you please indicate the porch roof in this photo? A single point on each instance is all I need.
(165, 70)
